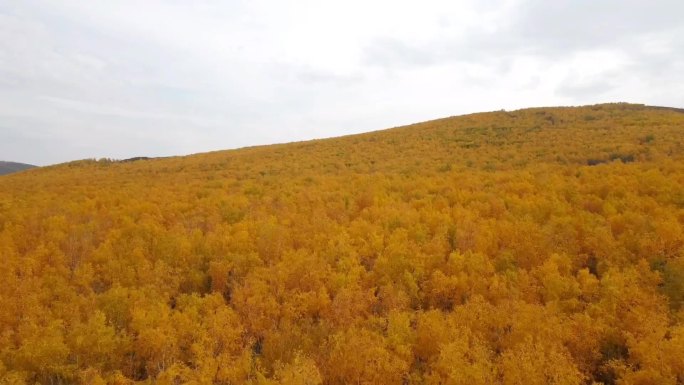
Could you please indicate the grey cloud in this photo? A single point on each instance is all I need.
(21, 147)
(62, 78)
(649, 35)
(570, 25)
(167, 77)
(390, 52)
(312, 76)
(546, 29)
(302, 75)
(580, 90)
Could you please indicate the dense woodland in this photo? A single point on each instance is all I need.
(541, 246)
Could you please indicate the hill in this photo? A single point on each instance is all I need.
(540, 246)
(10, 167)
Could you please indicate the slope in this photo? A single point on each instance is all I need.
(540, 246)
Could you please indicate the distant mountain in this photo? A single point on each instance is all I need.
(10, 167)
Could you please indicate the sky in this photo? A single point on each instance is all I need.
(119, 79)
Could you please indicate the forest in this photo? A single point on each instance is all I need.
(539, 246)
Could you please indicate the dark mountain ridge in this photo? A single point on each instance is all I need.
(10, 167)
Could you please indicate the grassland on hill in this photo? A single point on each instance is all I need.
(540, 246)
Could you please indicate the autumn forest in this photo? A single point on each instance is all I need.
(539, 246)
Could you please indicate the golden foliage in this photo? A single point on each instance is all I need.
(541, 246)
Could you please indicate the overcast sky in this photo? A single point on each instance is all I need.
(91, 79)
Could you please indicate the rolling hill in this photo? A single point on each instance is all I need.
(539, 246)
(10, 167)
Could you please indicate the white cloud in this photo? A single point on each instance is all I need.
(126, 78)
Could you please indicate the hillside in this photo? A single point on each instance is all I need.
(540, 246)
(10, 167)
